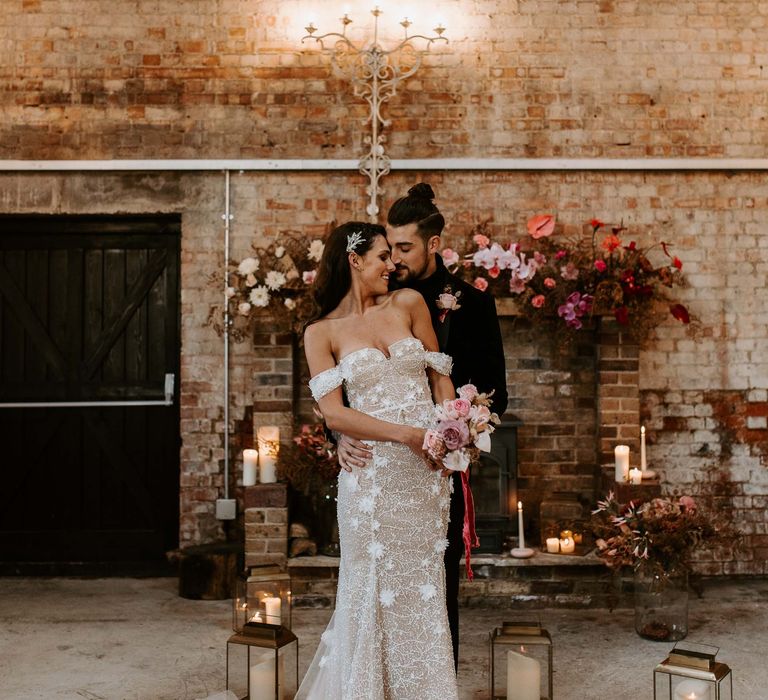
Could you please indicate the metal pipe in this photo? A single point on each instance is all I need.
(82, 404)
(227, 218)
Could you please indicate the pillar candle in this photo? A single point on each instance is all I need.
(621, 454)
(553, 545)
(691, 689)
(273, 610)
(520, 524)
(262, 677)
(635, 476)
(267, 469)
(567, 545)
(268, 437)
(250, 464)
(643, 465)
(523, 677)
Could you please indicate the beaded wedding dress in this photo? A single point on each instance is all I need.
(388, 638)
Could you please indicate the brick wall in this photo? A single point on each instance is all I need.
(229, 79)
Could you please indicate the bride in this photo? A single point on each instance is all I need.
(388, 637)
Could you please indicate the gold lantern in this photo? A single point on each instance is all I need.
(520, 656)
(262, 597)
(690, 672)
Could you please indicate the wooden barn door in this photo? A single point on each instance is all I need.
(89, 419)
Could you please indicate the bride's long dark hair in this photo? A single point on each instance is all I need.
(333, 274)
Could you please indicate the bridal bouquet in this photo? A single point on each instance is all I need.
(464, 427)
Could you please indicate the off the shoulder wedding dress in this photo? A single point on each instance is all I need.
(388, 638)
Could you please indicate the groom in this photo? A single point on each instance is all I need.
(467, 329)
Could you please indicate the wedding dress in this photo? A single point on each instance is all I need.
(388, 638)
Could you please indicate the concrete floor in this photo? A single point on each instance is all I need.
(135, 639)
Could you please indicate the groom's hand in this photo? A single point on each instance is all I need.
(352, 453)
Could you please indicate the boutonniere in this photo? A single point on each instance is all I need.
(447, 302)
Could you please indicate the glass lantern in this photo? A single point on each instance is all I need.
(690, 672)
(521, 658)
(262, 597)
(272, 663)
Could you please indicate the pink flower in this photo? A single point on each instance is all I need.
(541, 226)
(467, 392)
(560, 254)
(687, 502)
(480, 283)
(447, 301)
(450, 256)
(493, 273)
(308, 277)
(600, 265)
(516, 285)
(481, 241)
(549, 283)
(538, 301)
(461, 406)
(539, 258)
(569, 271)
(433, 445)
(574, 308)
(455, 433)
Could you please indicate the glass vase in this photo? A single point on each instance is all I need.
(661, 604)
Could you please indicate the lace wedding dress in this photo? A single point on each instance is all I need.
(388, 638)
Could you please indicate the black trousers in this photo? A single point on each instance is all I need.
(452, 562)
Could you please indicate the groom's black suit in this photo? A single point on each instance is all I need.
(471, 336)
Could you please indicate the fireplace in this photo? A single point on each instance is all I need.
(494, 487)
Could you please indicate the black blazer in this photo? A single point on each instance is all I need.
(470, 334)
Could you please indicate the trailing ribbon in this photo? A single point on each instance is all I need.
(468, 534)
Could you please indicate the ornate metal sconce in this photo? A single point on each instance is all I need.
(375, 75)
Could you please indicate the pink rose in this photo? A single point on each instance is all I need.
(600, 265)
(480, 283)
(462, 406)
(481, 241)
(549, 283)
(308, 277)
(450, 256)
(433, 445)
(447, 301)
(455, 433)
(687, 502)
(538, 301)
(467, 392)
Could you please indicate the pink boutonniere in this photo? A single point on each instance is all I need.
(447, 302)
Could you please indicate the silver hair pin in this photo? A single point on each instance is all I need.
(353, 239)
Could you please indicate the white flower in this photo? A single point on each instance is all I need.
(259, 296)
(248, 266)
(274, 280)
(290, 304)
(427, 591)
(230, 292)
(366, 504)
(483, 441)
(308, 277)
(456, 461)
(441, 545)
(376, 549)
(426, 563)
(387, 597)
(375, 525)
(316, 250)
(389, 565)
(244, 308)
(279, 251)
(435, 489)
(251, 280)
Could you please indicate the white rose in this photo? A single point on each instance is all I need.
(230, 292)
(244, 308)
(274, 280)
(456, 461)
(248, 266)
(279, 251)
(290, 304)
(316, 249)
(259, 296)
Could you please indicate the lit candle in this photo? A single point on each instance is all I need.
(567, 545)
(250, 464)
(256, 618)
(523, 677)
(520, 524)
(273, 610)
(635, 476)
(691, 689)
(643, 465)
(553, 545)
(621, 455)
(268, 437)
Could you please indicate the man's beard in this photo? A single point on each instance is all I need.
(408, 279)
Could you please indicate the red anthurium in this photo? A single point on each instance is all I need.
(541, 226)
(680, 313)
(622, 315)
(677, 263)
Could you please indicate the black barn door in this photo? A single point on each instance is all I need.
(89, 420)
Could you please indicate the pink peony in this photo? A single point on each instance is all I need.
(455, 433)
(461, 406)
(480, 283)
(538, 301)
(467, 392)
(600, 265)
(549, 283)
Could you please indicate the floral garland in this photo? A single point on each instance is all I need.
(574, 279)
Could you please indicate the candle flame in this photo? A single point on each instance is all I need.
(642, 432)
(519, 505)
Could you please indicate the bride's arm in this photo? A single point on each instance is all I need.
(347, 420)
(421, 327)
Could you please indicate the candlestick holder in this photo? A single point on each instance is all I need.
(522, 552)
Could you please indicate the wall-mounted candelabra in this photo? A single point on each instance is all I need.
(375, 74)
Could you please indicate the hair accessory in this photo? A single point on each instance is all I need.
(353, 240)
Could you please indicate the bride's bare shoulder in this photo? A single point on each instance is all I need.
(317, 334)
(406, 298)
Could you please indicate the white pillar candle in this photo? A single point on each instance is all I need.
(635, 476)
(250, 465)
(621, 455)
(523, 677)
(268, 438)
(643, 465)
(553, 545)
(267, 469)
(262, 677)
(520, 524)
(567, 545)
(273, 610)
(692, 689)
